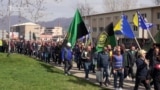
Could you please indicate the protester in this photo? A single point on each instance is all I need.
(77, 55)
(156, 70)
(5, 46)
(86, 56)
(94, 59)
(118, 68)
(102, 65)
(142, 71)
(110, 51)
(67, 58)
(126, 59)
(1, 45)
(132, 58)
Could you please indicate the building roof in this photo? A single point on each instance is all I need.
(124, 10)
(28, 23)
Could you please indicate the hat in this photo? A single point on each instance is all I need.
(69, 44)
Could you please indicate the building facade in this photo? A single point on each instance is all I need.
(3, 34)
(56, 31)
(98, 22)
(27, 30)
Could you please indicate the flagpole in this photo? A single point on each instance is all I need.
(151, 35)
(137, 43)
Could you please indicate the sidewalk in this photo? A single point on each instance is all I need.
(128, 83)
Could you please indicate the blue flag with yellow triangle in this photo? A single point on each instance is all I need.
(124, 27)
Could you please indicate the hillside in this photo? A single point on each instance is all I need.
(63, 22)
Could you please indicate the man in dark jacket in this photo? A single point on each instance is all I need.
(142, 71)
(132, 59)
(156, 71)
(86, 56)
(102, 64)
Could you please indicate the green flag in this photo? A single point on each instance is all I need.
(101, 42)
(105, 38)
(76, 30)
(111, 36)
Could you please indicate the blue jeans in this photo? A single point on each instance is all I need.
(87, 66)
(118, 73)
(67, 66)
(105, 74)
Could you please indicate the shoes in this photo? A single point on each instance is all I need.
(106, 84)
(66, 74)
(100, 83)
(116, 89)
(87, 78)
(127, 78)
(69, 73)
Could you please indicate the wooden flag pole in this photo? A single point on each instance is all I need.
(151, 35)
(137, 42)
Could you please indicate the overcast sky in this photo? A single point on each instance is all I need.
(66, 8)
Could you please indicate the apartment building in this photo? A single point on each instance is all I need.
(26, 30)
(3, 34)
(98, 22)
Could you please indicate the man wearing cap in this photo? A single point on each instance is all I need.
(67, 58)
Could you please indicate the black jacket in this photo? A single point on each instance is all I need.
(142, 70)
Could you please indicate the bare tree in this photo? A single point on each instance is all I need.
(110, 5)
(85, 9)
(36, 9)
(157, 2)
(113, 5)
(32, 9)
(126, 4)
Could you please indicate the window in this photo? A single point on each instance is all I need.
(116, 17)
(94, 29)
(144, 15)
(158, 26)
(158, 15)
(100, 19)
(108, 18)
(36, 28)
(94, 19)
(135, 28)
(100, 29)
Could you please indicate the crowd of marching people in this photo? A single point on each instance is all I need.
(143, 67)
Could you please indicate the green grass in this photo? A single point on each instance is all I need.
(19, 72)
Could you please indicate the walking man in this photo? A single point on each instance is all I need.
(102, 64)
(67, 58)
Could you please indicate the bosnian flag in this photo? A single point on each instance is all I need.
(148, 25)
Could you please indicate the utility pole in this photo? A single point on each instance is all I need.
(9, 39)
(9, 25)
